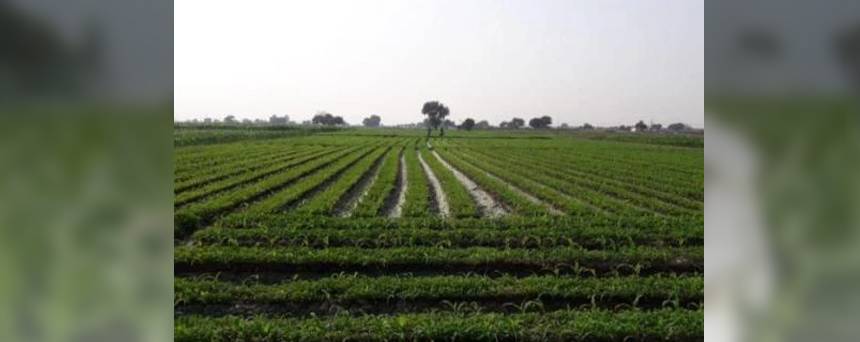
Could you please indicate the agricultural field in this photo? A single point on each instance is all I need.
(386, 235)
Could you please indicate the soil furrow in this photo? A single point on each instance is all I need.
(440, 201)
(487, 205)
(508, 304)
(350, 200)
(394, 203)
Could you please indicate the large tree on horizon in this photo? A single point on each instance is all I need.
(468, 124)
(327, 119)
(541, 122)
(516, 123)
(372, 121)
(436, 113)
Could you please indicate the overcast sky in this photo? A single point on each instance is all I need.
(604, 62)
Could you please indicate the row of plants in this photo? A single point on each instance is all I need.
(595, 172)
(500, 191)
(325, 202)
(190, 136)
(197, 153)
(460, 202)
(549, 194)
(192, 161)
(641, 187)
(602, 193)
(435, 260)
(353, 288)
(418, 193)
(383, 187)
(230, 183)
(563, 325)
(185, 170)
(501, 223)
(197, 158)
(281, 200)
(200, 213)
(671, 170)
(590, 237)
(616, 162)
(243, 170)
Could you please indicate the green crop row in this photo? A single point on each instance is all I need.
(614, 163)
(499, 190)
(639, 186)
(187, 171)
(671, 168)
(345, 289)
(194, 158)
(325, 202)
(601, 194)
(542, 237)
(460, 201)
(565, 325)
(411, 259)
(502, 223)
(650, 181)
(372, 203)
(237, 167)
(250, 176)
(417, 187)
(289, 195)
(537, 180)
(560, 175)
(551, 195)
(194, 215)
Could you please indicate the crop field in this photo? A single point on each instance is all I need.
(377, 235)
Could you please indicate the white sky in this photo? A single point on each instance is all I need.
(605, 62)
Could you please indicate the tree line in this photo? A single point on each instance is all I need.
(436, 117)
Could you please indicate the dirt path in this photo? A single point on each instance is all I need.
(397, 209)
(441, 200)
(486, 203)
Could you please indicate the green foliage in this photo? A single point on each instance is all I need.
(565, 325)
(351, 289)
(383, 187)
(418, 187)
(324, 236)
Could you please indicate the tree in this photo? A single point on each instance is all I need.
(541, 122)
(468, 124)
(565, 125)
(327, 119)
(517, 123)
(230, 119)
(504, 124)
(587, 127)
(547, 121)
(641, 126)
(436, 113)
(656, 127)
(677, 127)
(483, 124)
(372, 121)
